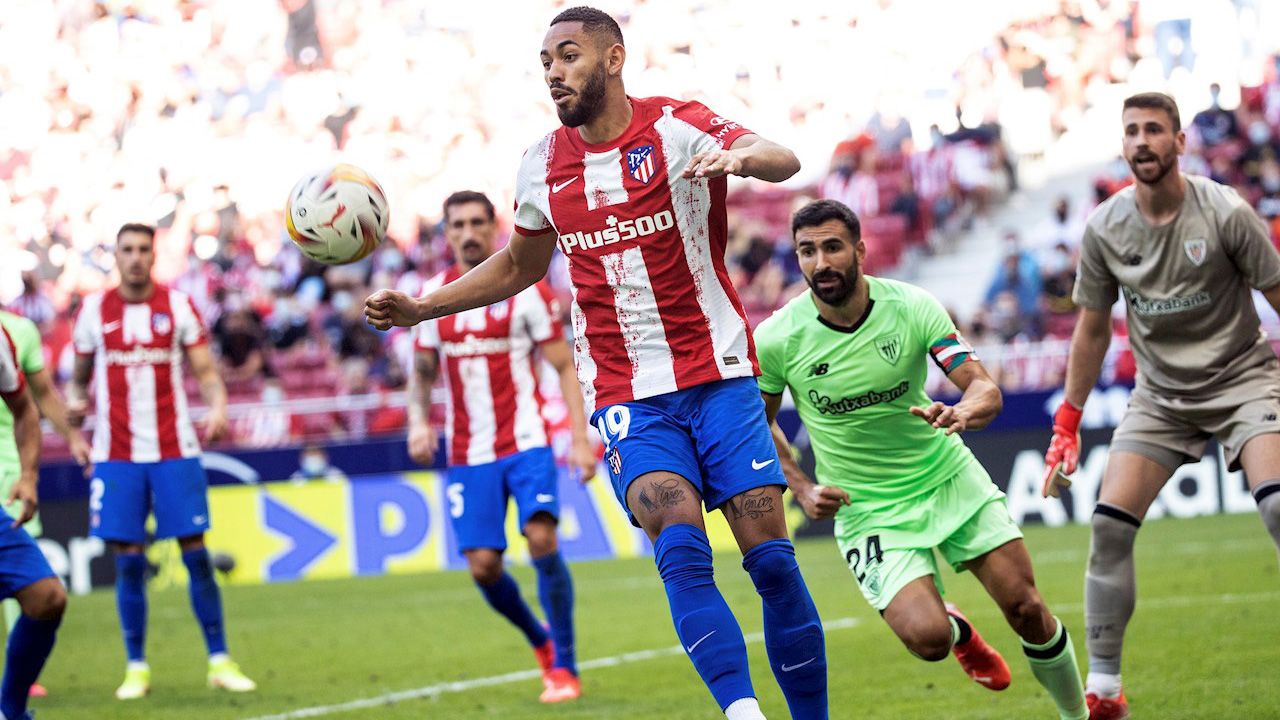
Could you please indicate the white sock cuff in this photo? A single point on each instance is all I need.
(747, 708)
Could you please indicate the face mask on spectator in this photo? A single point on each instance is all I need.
(1259, 133)
(314, 465)
(272, 395)
(1271, 184)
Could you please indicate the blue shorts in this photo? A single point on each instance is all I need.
(21, 562)
(478, 496)
(122, 494)
(716, 436)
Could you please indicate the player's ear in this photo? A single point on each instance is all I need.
(860, 250)
(615, 56)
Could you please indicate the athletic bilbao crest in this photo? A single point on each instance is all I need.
(640, 163)
(890, 348)
(161, 323)
(1196, 250)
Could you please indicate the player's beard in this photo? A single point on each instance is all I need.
(835, 295)
(1163, 166)
(590, 101)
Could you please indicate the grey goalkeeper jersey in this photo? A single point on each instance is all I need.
(1186, 284)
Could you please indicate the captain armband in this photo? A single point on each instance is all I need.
(951, 352)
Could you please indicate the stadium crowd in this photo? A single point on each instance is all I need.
(172, 112)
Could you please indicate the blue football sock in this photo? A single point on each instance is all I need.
(131, 603)
(706, 627)
(555, 590)
(206, 600)
(792, 630)
(29, 646)
(504, 596)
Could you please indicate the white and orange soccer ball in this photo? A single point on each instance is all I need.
(337, 215)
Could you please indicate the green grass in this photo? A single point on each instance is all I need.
(1204, 642)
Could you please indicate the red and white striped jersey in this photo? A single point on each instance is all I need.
(653, 309)
(490, 371)
(12, 381)
(138, 349)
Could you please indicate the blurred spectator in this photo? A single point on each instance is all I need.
(1062, 228)
(1264, 147)
(241, 341)
(32, 303)
(313, 464)
(1214, 124)
(1017, 277)
(1058, 279)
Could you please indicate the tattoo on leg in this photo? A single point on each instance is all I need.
(646, 502)
(753, 504)
(667, 493)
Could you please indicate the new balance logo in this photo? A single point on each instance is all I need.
(694, 646)
(562, 185)
(789, 668)
(757, 465)
(818, 369)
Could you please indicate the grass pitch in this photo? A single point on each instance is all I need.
(1204, 643)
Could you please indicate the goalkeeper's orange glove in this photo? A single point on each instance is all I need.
(1064, 449)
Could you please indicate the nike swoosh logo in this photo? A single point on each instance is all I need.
(757, 465)
(694, 646)
(111, 327)
(789, 668)
(982, 679)
(562, 185)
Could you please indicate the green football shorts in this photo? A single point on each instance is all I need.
(963, 518)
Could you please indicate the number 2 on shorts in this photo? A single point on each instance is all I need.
(873, 554)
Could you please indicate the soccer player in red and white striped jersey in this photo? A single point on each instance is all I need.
(497, 437)
(632, 190)
(132, 340)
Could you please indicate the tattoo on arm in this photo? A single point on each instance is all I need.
(753, 504)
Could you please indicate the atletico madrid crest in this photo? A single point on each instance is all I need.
(640, 163)
(615, 461)
(161, 324)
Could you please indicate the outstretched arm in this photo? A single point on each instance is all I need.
(979, 404)
(515, 267)
(26, 432)
(748, 156)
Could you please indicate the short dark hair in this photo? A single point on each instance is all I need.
(1156, 101)
(596, 22)
(142, 228)
(820, 211)
(463, 197)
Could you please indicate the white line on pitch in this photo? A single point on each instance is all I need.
(432, 691)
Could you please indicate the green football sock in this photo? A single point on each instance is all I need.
(1054, 665)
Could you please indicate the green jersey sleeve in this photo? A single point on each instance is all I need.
(771, 342)
(26, 338)
(936, 333)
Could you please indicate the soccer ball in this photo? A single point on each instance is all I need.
(337, 215)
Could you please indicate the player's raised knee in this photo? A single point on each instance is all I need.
(927, 639)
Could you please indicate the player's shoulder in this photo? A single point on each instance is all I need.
(1114, 211)
(435, 282)
(1221, 199)
(91, 304)
(539, 155)
(889, 291)
(18, 325)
